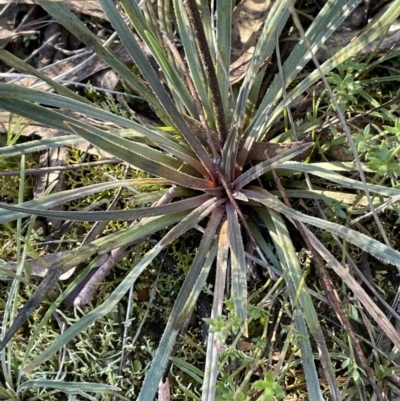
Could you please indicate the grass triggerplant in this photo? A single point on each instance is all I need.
(211, 166)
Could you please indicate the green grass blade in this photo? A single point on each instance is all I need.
(17, 94)
(345, 198)
(187, 223)
(20, 65)
(176, 83)
(378, 250)
(39, 145)
(38, 113)
(289, 260)
(56, 199)
(325, 23)
(214, 340)
(61, 13)
(324, 171)
(188, 368)
(70, 387)
(52, 309)
(11, 92)
(69, 140)
(244, 153)
(238, 266)
(11, 304)
(63, 263)
(33, 303)
(142, 157)
(151, 77)
(254, 172)
(274, 23)
(105, 244)
(164, 15)
(124, 215)
(380, 318)
(192, 60)
(223, 50)
(183, 306)
(56, 120)
(269, 253)
(372, 32)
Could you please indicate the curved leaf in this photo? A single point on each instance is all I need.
(151, 77)
(111, 215)
(58, 198)
(62, 14)
(238, 266)
(141, 156)
(331, 175)
(187, 223)
(370, 245)
(183, 306)
(261, 168)
(307, 313)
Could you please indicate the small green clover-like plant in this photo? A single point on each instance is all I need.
(364, 141)
(271, 390)
(353, 368)
(395, 130)
(28, 38)
(257, 312)
(224, 327)
(225, 389)
(345, 85)
(381, 151)
(384, 161)
(335, 207)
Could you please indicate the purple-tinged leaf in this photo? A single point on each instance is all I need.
(133, 214)
(262, 168)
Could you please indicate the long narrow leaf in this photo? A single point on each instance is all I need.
(17, 93)
(223, 49)
(150, 35)
(326, 22)
(151, 77)
(68, 387)
(176, 81)
(290, 263)
(214, 342)
(373, 31)
(327, 172)
(20, 65)
(56, 120)
(125, 215)
(97, 247)
(192, 59)
(261, 168)
(117, 239)
(61, 13)
(238, 266)
(58, 198)
(183, 306)
(370, 245)
(186, 224)
(274, 23)
(251, 138)
(141, 156)
(362, 296)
